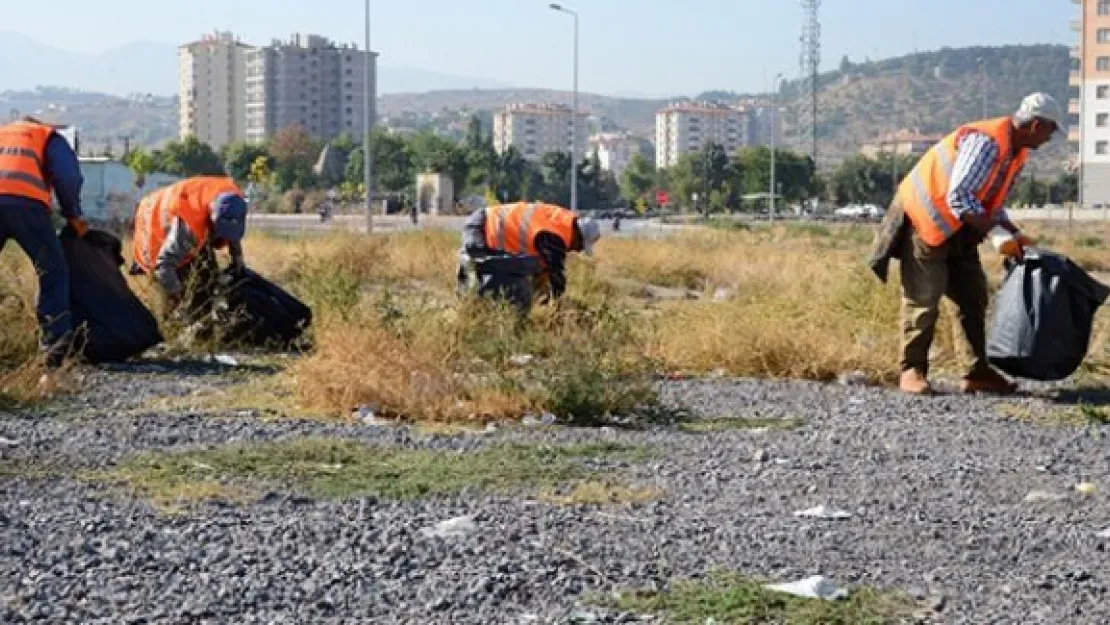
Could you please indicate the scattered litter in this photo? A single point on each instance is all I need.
(531, 420)
(816, 587)
(521, 360)
(225, 360)
(547, 418)
(718, 373)
(366, 414)
(8, 442)
(761, 456)
(1104, 533)
(457, 527)
(1043, 495)
(722, 294)
(202, 466)
(853, 378)
(823, 512)
(491, 428)
(1086, 488)
(781, 461)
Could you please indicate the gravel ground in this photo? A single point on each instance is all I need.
(936, 488)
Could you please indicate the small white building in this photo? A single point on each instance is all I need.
(110, 194)
(435, 194)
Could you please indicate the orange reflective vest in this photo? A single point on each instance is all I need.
(188, 200)
(924, 193)
(512, 228)
(22, 153)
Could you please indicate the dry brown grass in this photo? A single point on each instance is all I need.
(788, 301)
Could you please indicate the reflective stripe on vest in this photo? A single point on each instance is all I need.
(188, 200)
(525, 228)
(922, 192)
(22, 151)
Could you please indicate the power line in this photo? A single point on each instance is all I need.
(810, 61)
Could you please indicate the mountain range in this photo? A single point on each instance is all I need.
(151, 67)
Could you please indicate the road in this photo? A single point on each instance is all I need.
(310, 224)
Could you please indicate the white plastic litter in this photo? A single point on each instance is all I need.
(457, 527)
(521, 360)
(1104, 533)
(823, 512)
(225, 360)
(1043, 495)
(8, 442)
(367, 414)
(816, 587)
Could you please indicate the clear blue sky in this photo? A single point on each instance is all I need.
(641, 46)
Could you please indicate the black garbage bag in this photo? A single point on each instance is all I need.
(255, 312)
(508, 277)
(1043, 317)
(112, 324)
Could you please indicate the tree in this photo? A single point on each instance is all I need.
(434, 154)
(555, 170)
(141, 163)
(863, 180)
(795, 174)
(638, 179)
(260, 170)
(238, 158)
(294, 152)
(393, 164)
(189, 157)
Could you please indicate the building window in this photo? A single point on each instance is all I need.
(1102, 147)
(1103, 35)
(1104, 7)
(1102, 64)
(1101, 119)
(1102, 92)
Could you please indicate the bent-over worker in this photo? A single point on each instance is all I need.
(36, 163)
(177, 229)
(542, 231)
(941, 212)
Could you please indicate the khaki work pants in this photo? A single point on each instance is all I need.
(928, 273)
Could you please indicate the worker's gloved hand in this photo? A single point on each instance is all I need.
(79, 226)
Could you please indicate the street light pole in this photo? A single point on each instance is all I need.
(774, 105)
(367, 126)
(573, 113)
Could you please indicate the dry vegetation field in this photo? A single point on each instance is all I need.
(792, 301)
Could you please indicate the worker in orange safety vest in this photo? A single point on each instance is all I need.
(37, 164)
(526, 230)
(941, 213)
(177, 229)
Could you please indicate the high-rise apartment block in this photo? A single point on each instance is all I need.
(689, 126)
(211, 72)
(615, 150)
(536, 129)
(306, 80)
(1089, 108)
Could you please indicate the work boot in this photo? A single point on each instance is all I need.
(913, 382)
(990, 382)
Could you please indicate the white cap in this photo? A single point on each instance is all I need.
(1043, 106)
(590, 231)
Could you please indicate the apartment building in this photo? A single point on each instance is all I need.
(1089, 108)
(903, 142)
(689, 126)
(537, 129)
(616, 149)
(309, 81)
(211, 72)
(231, 91)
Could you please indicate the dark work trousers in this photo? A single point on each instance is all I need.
(32, 230)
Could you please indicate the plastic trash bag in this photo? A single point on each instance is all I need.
(508, 277)
(255, 312)
(1043, 317)
(112, 324)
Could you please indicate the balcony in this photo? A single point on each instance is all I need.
(1073, 107)
(1076, 52)
(1076, 25)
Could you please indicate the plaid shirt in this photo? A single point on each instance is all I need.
(976, 156)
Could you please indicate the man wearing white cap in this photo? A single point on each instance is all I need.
(528, 230)
(943, 210)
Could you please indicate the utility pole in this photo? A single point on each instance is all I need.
(810, 63)
(573, 111)
(983, 85)
(774, 105)
(368, 125)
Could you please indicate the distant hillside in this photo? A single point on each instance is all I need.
(931, 91)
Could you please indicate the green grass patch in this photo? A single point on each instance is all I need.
(1089, 242)
(721, 424)
(340, 469)
(1081, 415)
(593, 492)
(732, 598)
